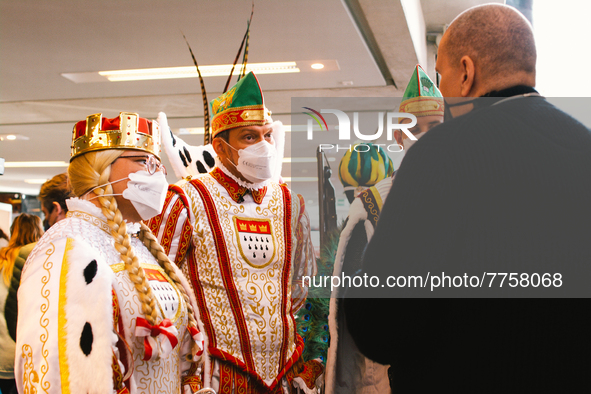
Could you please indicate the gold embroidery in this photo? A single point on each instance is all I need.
(62, 321)
(259, 290)
(223, 102)
(29, 375)
(378, 197)
(90, 219)
(225, 331)
(43, 321)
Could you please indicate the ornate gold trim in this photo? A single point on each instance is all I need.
(90, 219)
(30, 376)
(128, 136)
(62, 321)
(44, 321)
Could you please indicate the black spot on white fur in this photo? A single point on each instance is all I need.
(172, 136)
(86, 339)
(187, 154)
(209, 160)
(90, 271)
(183, 159)
(201, 167)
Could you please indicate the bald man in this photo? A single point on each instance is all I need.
(503, 186)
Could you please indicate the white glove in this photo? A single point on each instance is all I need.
(185, 159)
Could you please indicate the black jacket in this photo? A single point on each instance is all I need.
(505, 188)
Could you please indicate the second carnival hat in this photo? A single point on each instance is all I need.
(242, 105)
(421, 97)
(127, 131)
(364, 165)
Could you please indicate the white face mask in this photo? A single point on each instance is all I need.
(257, 162)
(146, 192)
(407, 142)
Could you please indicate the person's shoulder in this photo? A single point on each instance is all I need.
(25, 250)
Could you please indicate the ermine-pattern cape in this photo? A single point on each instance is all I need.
(78, 311)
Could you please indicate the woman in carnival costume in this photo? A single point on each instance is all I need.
(101, 308)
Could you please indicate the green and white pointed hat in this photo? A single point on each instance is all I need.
(242, 105)
(421, 97)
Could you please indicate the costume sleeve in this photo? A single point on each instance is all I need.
(356, 218)
(65, 337)
(192, 364)
(304, 261)
(173, 226)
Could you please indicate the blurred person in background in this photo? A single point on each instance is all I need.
(25, 232)
(53, 196)
(3, 239)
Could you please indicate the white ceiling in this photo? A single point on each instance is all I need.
(39, 40)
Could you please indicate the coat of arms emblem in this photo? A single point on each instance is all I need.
(167, 295)
(255, 241)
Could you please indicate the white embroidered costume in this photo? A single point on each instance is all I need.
(78, 310)
(245, 252)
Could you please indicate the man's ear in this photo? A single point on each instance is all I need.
(218, 146)
(398, 136)
(56, 206)
(468, 74)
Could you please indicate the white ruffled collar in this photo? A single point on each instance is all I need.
(240, 182)
(77, 204)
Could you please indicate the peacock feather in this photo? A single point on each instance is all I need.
(312, 319)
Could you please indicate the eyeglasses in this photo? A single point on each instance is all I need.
(152, 163)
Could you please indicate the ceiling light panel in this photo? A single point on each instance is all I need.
(145, 74)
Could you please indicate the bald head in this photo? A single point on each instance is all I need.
(499, 41)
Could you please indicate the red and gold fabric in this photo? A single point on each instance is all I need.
(243, 267)
(127, 131)
(242, 105)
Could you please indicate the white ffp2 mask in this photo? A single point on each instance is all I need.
(146, 192)
(257, 162)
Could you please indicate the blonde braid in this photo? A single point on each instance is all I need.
(123, 246)
(150, 241)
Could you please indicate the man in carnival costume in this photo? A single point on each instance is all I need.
(348, 370)
(101, 308)
(243, 239)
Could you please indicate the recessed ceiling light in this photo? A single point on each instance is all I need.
(12, 137)
(317, 66)
(190, 71)
(36, 181)
(144, 74)
(33, 164)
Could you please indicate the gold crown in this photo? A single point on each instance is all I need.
(253, 227)
(263, 228)
(128, 131)
(242, 226)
